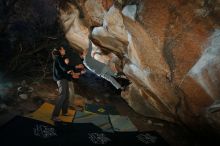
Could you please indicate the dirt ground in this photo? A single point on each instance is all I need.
(94, 89)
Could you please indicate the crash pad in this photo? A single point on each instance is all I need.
(101, 109)
(88, 134)
(23, 131)
(102, 121)
(149, 138)
(122, 123)
(45, 111)
(26, 131)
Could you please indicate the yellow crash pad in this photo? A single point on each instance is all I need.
(45, 111)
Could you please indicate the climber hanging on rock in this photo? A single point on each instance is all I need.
(99, 68)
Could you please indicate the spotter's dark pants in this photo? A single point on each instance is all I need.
(62, 102)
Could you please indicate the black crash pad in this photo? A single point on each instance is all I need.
(22, 131)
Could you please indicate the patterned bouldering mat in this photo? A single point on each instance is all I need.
(101, 109)
(99, 120)
(122, 123)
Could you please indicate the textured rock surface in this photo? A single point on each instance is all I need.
(168, 49)
(75, 30)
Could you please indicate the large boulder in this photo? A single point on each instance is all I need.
(169, 50)
(112, 34)
(74, 28)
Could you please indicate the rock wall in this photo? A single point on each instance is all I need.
(168, 49)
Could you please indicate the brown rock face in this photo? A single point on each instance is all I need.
(170, 52)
